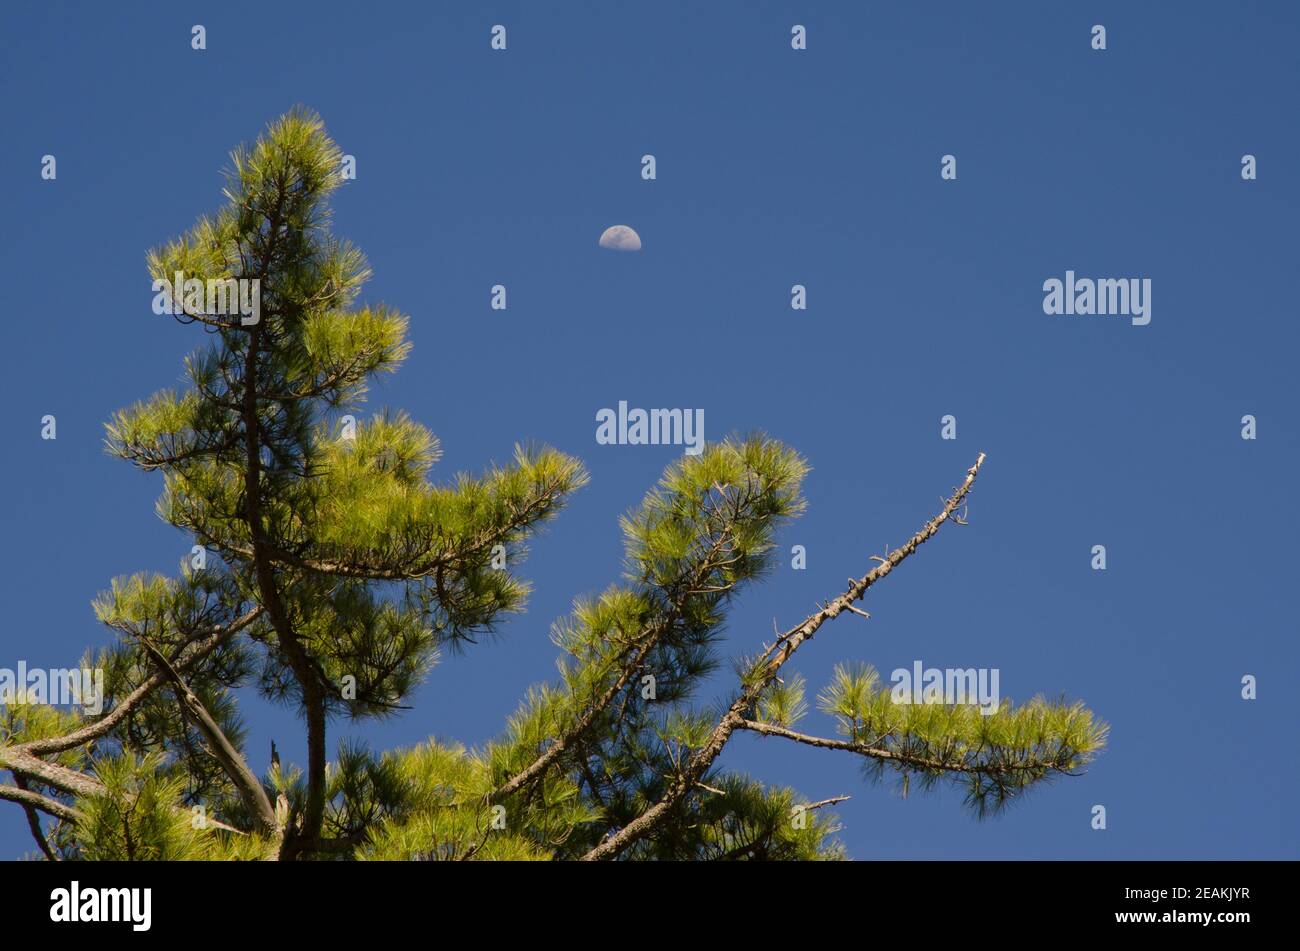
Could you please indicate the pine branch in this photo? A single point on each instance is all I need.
(106, 723)
(902, 758)
(32, 801)
(20, 762)
(428, 566)
(641, 648)
(34, 821)
(250, 788)
(724, 519)
(775, 657)
(588, 718)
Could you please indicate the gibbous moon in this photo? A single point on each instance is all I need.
(620, 238)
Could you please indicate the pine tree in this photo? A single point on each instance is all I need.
(332, 572)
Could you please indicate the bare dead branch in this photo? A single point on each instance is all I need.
(834, 800)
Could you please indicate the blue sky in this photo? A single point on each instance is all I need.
(775, 167)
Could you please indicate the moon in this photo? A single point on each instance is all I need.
(620, 238)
